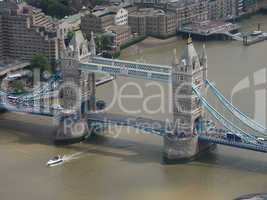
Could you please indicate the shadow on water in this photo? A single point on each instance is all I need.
(233, 160)
(123, 149)
(28, 133)
(135, 151)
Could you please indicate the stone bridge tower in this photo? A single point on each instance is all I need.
(188, 113)
(77, 98)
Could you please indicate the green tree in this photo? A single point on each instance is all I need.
(70, 35)
(106, 42)
(41, 62)
(99, 2)
(103, 42)
(18, 86)
(54, 8)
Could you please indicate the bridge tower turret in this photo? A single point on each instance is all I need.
(188, 113)
(78, 97)
(92, 45)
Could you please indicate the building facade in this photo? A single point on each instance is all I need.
(153, 22)
(1, 40)
(121, 17)
(188, 11)
(110, 21)
(96, 22)
(26, 31)
(70, 23)
(223, 9)
(121, 34)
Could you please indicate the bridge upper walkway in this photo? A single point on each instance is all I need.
(235, 111)
(128, 68)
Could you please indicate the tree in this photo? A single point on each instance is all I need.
(107, 42)
(62, 8)
(54, 8)
(18, 86)
(99, 2)
(103, 42)
(41, 62)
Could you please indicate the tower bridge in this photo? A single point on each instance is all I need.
(197, 129)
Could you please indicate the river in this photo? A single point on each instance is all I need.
(128, 165)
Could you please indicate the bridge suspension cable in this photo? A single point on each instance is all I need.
(226, 123)
(236, 112)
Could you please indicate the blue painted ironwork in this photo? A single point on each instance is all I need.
(128, 68)
(236, 112)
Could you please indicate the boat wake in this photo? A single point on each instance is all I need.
(68, 158)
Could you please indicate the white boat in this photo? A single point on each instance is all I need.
(55, 161)
(256, 33)
(262, 139)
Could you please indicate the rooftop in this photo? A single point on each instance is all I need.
(150, 12)
(118, 29)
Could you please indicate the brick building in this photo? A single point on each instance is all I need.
(26, 31)
(153, 22)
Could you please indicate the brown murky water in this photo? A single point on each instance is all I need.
(129, 166)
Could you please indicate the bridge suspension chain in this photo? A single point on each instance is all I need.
(236, 112)
(226, 123)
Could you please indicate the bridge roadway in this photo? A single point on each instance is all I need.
(148, 125)
(160, 128)
(260, 147)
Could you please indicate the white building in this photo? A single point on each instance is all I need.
(121, 17)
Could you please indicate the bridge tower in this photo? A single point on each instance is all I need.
(188, 114)
(78, 97)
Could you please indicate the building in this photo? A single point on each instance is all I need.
(111, 21)
(188, 11)
(96, 22)
(99, 21)
(70, 23)
(153, 22)
(121, 34)
(150, 2)
(121, 17)
(26, 31)
(1, 40)
(224, 9)
(250, 6)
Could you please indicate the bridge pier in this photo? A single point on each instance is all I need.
(71, 131)
(188, 114)
(184, 149)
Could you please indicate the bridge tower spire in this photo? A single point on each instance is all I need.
(188, 114)
(92, 45)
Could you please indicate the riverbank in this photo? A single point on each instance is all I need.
(150, 43)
